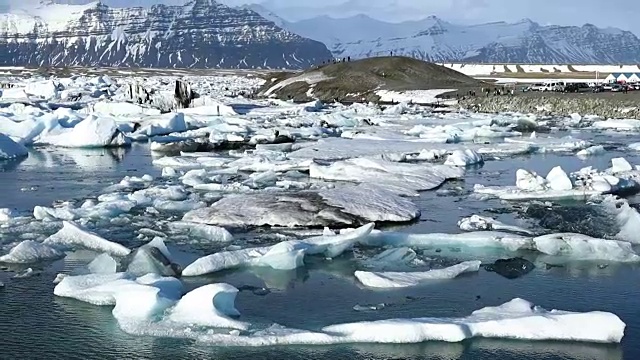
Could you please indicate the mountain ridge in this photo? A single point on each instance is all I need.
(200, 34)
(436, 40)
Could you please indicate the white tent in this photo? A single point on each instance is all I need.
(633, 78)
(611, 78)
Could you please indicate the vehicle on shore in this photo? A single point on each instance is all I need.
(577, 88)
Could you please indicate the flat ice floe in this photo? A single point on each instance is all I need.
(386, 280)
(571, 246)
(404, 179)
(73, 236)
(517, 319)
(286, 255)
(338, 207)
(30, 251)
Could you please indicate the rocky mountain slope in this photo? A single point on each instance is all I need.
(433, 39)
(200, 34)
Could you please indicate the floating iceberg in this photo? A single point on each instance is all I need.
(286, 255)
(208, 232)
(583, 247)
(74, 236)
(209, 305)
(408, 279)
(403, 179)
(517, 319)
(476, 222)
(274, 209)
(580, 185)
(92, 132)
(464, 158)
(152, 258)
(107, 289)
(30, 251)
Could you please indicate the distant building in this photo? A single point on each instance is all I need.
(623, 78)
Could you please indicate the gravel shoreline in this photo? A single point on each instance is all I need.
(605, 105)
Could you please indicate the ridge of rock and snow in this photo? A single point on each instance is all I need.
(436, 40)
(199, 34)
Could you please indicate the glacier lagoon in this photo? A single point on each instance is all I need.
(255, 202)
(319, 294)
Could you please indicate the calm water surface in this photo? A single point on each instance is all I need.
(36, 324)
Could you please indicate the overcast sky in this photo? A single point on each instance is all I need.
(562, 12)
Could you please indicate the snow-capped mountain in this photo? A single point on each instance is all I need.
(433, 39)
(201, 34)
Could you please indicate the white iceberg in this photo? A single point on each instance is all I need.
(109, 289)
(209, 305)
(92, 132)
(583, 247)
(30, 251)
(464, 158)
(408, 279)
(103, 264)
(517, 319)
(286, 255)
(74, 236)
(477, 222)
(208, 232)
(152, 258)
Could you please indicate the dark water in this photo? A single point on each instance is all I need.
(36, 324)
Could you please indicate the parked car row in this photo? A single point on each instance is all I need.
(561, 86)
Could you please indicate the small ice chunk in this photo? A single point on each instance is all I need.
(152, 258)
(208, 232)
(558, 179)
(103, 264)
(408, 279)
(30, 251)
(463, 158)
(476, 222)
(26, 273)
(619, 165)
(5, 215)
(529, 181)
(169, 172)
(375, 307)
(590, 151)
(209, 305)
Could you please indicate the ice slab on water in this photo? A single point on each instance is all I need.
(209, 305)
(583, 247)
(408, 279)
(469, 241)
(30, 251)
(517, 319)
(208, 232)
(371, 202)
(477, 222)
(274, 209)
(286, 255)
(340, 149)
(92, 132)
(403, 179)
(10, 149)
(108, 289)
(74, 236)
